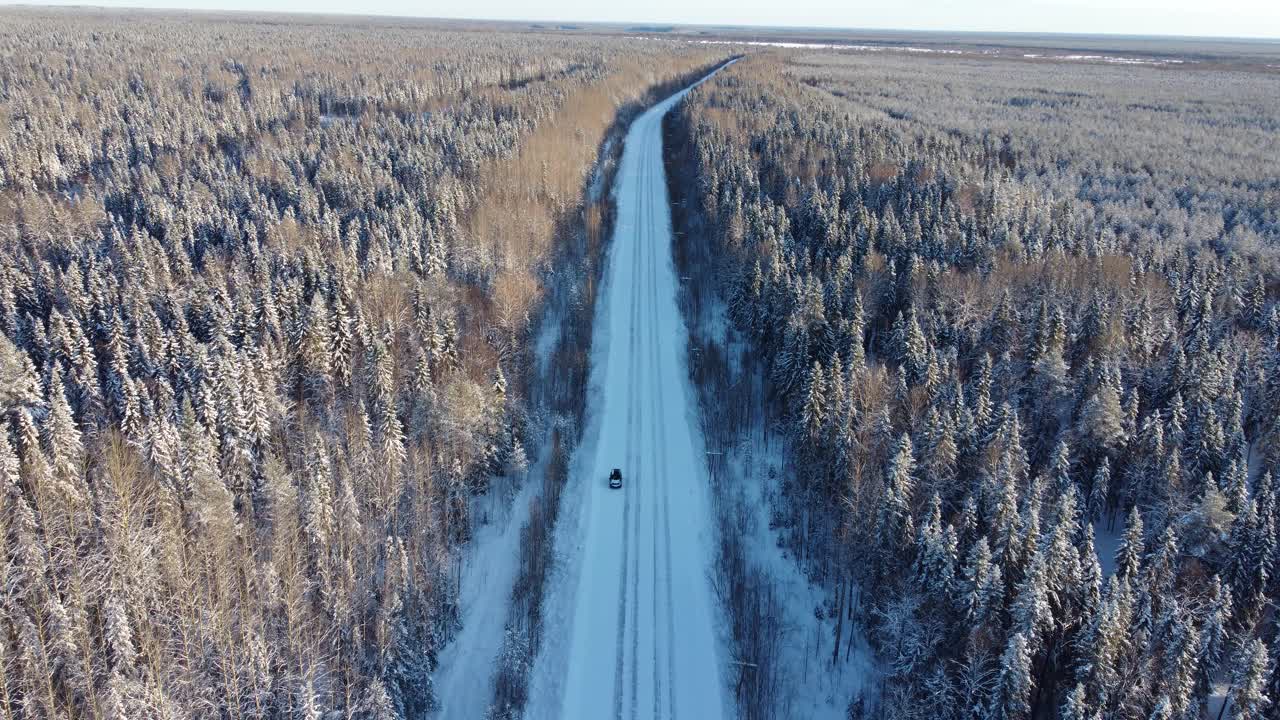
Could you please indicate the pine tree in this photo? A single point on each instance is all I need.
(1131, 550)
(232, 418)
(979, 387)
(1031, 612)
(857, 356)
(1161, 564)
(937, 558)
(342, 341)
(1163, 710)
(19, 386)
(1099, 491)
(1254, 310)
(941, 457)
(791, 363)
(1101, 428)
(984, 586)
(436, 260)
(1060, 468)
(895, 510)
(210, 501)
(315, 350)
(837, 397)
(257, 409)
(1105, 641)
(1236, 488)
(1075, 706)
(911, 348)
(318, 507)
(499, 387)
(1007, 526)
(119, 634)
(1064, 573)
(377, 703)
(1180, 667)
(1213, 635)
(63, 444)
(1090, 583)
(1013, 690)
(1248, 698)
(1246, 558)
(813, 414)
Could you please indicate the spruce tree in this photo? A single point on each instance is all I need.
(1013, 689)
(1248, 699)
(1130, 552)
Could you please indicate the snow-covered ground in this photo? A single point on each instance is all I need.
(811, 685)
(490, 562)
(1107, 542)
(464, 681)
(629, 625)
(807, 682)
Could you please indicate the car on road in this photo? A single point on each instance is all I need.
(615, 479)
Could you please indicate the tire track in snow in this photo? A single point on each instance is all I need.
(666, 470)
(627, 505)
(659, 469)
(643, 228)
(658, 188)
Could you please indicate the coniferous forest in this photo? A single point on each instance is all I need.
(985, 346)
(267, 294)
(1020, 348)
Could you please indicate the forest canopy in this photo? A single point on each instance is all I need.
(267, 289)
(1015, 324)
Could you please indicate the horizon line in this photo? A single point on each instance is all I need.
(627, 24)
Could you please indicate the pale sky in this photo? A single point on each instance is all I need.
(1230, 18)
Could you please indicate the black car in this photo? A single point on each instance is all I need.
(615, 479)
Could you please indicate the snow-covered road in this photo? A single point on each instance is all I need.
(636, 614)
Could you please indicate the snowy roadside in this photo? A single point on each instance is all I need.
(489, 567)
(782, 638)
(546, 687)
(808, 683)
(464, 682)
(555, 621)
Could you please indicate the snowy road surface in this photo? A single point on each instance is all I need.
(638, 636)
